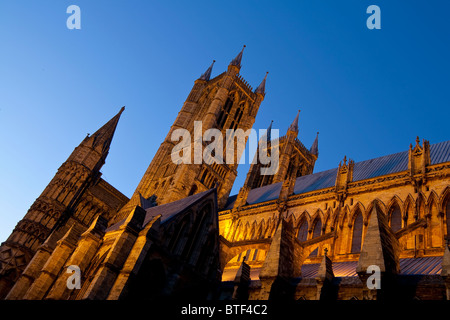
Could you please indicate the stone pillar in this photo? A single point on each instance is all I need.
(114, 261)
(242, 282)
(33, 269)
(53, 266)
(324, 279)
(445, 273)
(134, 261)
(380, 249)
(279, 266)
(82, 256)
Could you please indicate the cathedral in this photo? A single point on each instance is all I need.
(370, 230)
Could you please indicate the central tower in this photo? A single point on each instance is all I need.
(224, 102)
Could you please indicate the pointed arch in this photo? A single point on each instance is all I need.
(409, 206)
(326, 222)
(336, 217)
(269, 228)
(317, 227)
(291, 219)
(273, 227)
(375, 202)
(357, 230)
(266, 228)
(261, 229)
(443, 199)
(395, 201)
(302, 234)
(395, 217)
(231, 230)
(304, 215)
(421, 208)
(358, 207)
(237, 231)
(395, 214)
(446, 211)
(319, 215)
(252, 234)
(245, 233)
(433, 198)
(435, 219)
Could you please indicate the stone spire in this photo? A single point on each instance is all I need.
(380, 249)
(324, 279)
(102, 137)
(207, 75)
(241, 282)
(315, 146)
(294, 124)
(237, 61)
(380, 245)
(446, 260)
(262, 86)
(281, 264)
(267, 135)
(326, 268)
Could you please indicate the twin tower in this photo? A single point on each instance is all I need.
(77, 194)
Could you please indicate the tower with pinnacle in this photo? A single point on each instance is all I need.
(223, 102)
(74, 198)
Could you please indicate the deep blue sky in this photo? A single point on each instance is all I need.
(368, 92)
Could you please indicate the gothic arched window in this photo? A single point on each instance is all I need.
(317, 228)
(357, 233)
(303, 230)
(396, 218)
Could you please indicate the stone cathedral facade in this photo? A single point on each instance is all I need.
(295, 234)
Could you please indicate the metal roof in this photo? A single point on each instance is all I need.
(263, 194)
(340, 269)
(397, 162)
(421, 266)
(408, 266)
(168, 210)
(258, 195)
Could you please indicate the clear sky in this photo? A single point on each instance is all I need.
(368, 92)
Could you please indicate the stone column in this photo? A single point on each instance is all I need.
(241, 282)
(82, 256)
(34, 268)
(445, 273)
(380, 250)
(279, 265)
(324, 279)
(114, 261)
(52, 267)
(135, 259)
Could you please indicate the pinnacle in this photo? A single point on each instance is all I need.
(207, 75)
(103, 136)
(294, 124)
(237, 61)
(262, 87)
